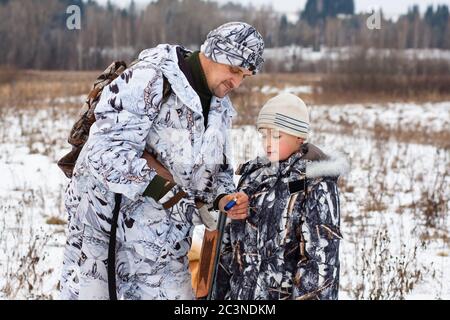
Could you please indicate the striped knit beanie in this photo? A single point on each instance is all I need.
(287, 113)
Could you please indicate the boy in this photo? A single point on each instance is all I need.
(288, 247)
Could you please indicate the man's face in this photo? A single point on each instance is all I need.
(223, 78)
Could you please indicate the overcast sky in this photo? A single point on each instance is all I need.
(390, 7)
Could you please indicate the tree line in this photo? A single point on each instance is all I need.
(34, 34)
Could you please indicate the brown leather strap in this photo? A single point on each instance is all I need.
(168, 186)
(94, 93)
(174, 200)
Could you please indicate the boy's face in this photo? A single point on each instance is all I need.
(279, 145)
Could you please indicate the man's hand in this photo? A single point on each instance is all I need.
(159, 168)
(240, 210)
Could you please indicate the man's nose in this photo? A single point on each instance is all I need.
(236, 81)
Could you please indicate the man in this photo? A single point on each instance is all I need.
(158, 155)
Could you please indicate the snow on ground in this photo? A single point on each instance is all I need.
(292, 89)
(330, 53)
(424, 118)
(292, 56)
(394, 202)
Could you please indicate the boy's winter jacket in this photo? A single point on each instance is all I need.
(288, 247)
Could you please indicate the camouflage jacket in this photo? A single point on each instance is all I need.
(288, 247)
(152, 242)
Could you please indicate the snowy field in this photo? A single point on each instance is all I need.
(337, 53)
(394, 202)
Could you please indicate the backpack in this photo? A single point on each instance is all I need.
(80, 130)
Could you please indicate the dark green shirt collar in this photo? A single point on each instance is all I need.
(198, 75)
(192, 69)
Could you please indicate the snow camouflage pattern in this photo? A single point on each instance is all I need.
(152, 243)
(237, 44)
(288, 247)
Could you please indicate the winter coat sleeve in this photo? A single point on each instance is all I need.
(223, 182)
(317, 273)
(124, 115)
(224, 185)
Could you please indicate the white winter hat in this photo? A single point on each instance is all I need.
(285, 112)
(237, 44)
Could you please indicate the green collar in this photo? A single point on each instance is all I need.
(199, 82)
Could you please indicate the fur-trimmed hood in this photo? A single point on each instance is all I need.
(310, 160)
(334, 166)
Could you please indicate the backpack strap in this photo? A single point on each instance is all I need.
(112, 288)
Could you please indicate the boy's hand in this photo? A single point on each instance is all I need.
(240, 209)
